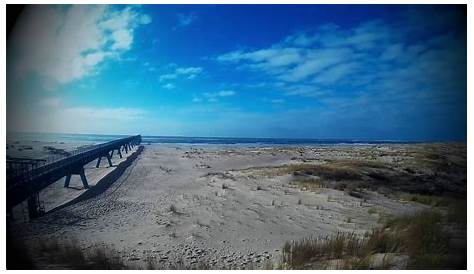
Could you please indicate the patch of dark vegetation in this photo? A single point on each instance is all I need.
(430, 200)
(456, 208)
(220, 175)
(66, 255)
(419, 241)
(426, 170)
(326, 172)
(319, 253)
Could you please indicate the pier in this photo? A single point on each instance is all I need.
(33, 176)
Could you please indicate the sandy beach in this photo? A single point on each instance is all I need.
(230, 136)
(236, 207)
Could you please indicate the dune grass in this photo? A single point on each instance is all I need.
(456, 207)
(353, 251)
(430, 200)
(420, 236)
(338, 174)
(426, 171)
(65, 255)
(325, 171)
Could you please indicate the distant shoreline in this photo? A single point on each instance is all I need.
(182, 140)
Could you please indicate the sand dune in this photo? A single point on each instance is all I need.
(220, 205)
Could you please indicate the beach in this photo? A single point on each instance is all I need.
(236, 207)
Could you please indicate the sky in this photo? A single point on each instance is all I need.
(374, 72)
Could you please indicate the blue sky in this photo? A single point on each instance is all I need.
(293, 71)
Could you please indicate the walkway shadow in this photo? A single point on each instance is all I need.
(75, 187)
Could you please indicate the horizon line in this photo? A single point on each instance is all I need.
(275, 138)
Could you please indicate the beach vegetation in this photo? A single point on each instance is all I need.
(372, 210)
(420, 238)
(68, 255)
(173, 209)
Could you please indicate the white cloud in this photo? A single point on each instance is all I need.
(52, 114)
(336, 73)
(316, 61)
(66, 43)
(187, 72)
(304, 61)
(289, 64)
(169, 86)
(213, 96)
(186, 19)
(300, 39)
(273, 57)
(302, 90)
(145, 19)
(365, 36)
(168, 77)
(122, 39)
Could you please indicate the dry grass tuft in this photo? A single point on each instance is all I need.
(173, 209)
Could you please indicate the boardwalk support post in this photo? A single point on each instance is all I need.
(106, 155)
(78, 171)
(34, 207)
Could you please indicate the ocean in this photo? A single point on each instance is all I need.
(97, 138)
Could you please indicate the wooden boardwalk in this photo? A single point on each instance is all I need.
(26, 184)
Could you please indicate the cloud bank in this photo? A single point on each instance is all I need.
(66, 43)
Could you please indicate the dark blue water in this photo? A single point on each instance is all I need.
(95, 138)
